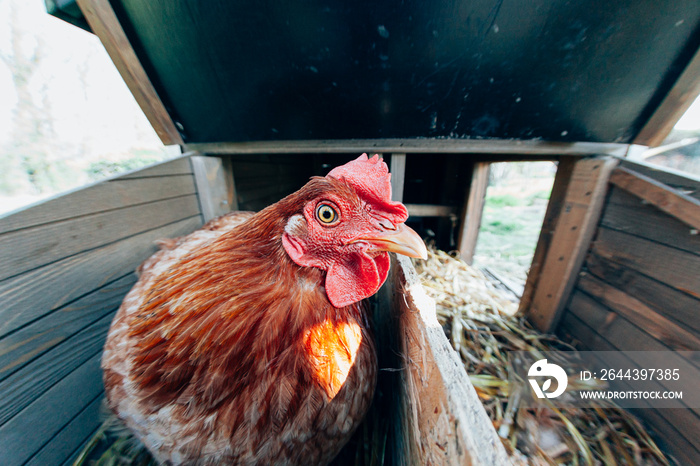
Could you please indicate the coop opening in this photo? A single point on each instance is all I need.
(514, 206)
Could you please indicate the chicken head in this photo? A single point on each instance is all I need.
(349, 230)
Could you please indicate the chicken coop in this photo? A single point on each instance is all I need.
(260, 96)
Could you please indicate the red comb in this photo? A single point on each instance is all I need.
(371, 180)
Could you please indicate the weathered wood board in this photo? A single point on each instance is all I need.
(447, 422)
(66, 265)
(639, 288)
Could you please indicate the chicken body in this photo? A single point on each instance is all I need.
(245, 342)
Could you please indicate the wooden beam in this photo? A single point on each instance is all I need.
(447, 423)
(687, 183)
(551, 216)
(497, 147)
(576, 225)
(430, 210)
(673, 202)
(472, 211)
(211, 180)
(398, 175)
(104, 23)
(677, 101)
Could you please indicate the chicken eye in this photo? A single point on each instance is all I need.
(326, 214)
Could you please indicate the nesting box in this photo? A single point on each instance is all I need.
(260, 97)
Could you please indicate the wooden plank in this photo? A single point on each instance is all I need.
(686, 182)
(446, 417)
(671, 303)
(62, 446)
(565, 168)
(42, 335)
(671, 266)
(625, 336)
(581, 210)
(675, 203)
(101, 197)
(104, 23)
(178, 166)
(24, 386)
(666, 331)
(30, 248)
(23, 435)
(212, 186)
(36, 293)
(499, 147)
(626, 212)
(472, 210)
(431, 210)
(231, 183)
(678, 425)
(681, 96)
(398, 175)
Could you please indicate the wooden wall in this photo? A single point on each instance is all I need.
(262, 180)
(65, 265)
(639, 288)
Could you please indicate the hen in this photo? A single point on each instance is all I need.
(247, 342)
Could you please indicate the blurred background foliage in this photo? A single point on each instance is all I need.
(66, 116)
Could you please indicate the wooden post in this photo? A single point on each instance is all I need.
(472, 210)
(211, 180)
(576, 224)
(398, 175)
(551, 216)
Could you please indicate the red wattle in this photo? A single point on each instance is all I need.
(353, 280)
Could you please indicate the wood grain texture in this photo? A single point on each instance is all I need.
(212, 183)
(398, 175)
(676, 427)
(448, 421)
(626, 212)
(36, 293)
(41, 336)
(674, 267)
(430, 210)
(673, 427)
(84, 384)
(61, 447)
(472, 210)
(31, 248)
(101, 197)
(685, 182)
(178, 166)
(673, 202)
(104, 23)
(498, 147)
(576, 225)
(625, 336)
(565, 168)
(681, 96)
(24, 386)
(671, 334)
(674, 305)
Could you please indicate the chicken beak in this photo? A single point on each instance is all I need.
(402, 240)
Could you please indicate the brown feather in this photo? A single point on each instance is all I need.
(226, 351)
